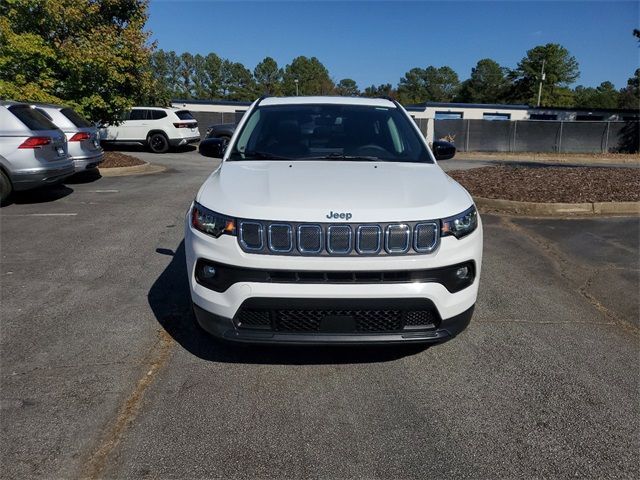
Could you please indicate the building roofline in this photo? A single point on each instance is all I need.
(418, 107)
(212, 102)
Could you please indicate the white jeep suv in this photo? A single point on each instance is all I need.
(329, 221)
(158, 128)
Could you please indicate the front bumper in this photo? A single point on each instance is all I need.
(86, 163)
(39, 177)
(225, 328)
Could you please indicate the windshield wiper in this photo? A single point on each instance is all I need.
(258, 155)
(341, 156)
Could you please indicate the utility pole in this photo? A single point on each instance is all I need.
(296, 82)
(542, 77)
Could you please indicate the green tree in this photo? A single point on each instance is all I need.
(347, 88)
(200, 78)
(174, 65)
(604, 96)
(236, 81)
(213, 74)
(630, 95)
(187, 67)
(428, 85)
(382, 90)
(560, 69)
(162, 92)
(92, 55)
(488, 83)
(313, 77)
(268, 77)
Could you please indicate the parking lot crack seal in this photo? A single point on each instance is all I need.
(157, 358)
(559, 260)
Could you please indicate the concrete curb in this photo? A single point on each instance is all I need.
(144, 169)
(630, 160)
(497, 205)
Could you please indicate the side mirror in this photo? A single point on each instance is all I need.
(443, 150)
(213, 147)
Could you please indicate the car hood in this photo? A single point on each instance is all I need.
(308, 191)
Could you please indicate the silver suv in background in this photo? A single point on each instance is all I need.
(82, 136)
(33, 151)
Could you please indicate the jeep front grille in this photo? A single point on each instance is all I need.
(283, 238)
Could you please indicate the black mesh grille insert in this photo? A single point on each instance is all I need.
(280, 237)
(368, 238)
(298, 320)
(426, 236)
(365, 320)
(251, 234)
(249, 318)
(339, 239)
(378, 320)
(397, 240)
(416, 318)
(309, 238)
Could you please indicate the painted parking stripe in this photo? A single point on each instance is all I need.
(42, 215)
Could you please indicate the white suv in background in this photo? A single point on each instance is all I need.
(329, 221)
(158, 128)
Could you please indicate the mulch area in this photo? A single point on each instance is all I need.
(552, 184)
(117, 159)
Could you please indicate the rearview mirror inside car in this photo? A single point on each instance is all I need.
(443, 150)
(213, 147)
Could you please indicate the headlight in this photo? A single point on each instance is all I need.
(462, 224)
(210, 222)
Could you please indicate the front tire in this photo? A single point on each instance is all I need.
(158, 143)
(5, 187)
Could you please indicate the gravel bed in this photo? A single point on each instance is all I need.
(117, 159)
(552, 184)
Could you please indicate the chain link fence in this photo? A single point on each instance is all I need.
(539, 136)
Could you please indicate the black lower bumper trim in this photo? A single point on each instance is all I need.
(224, 328)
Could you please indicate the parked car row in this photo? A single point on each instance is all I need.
(155, 127)
(42, 144)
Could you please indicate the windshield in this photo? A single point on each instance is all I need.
(329, 132)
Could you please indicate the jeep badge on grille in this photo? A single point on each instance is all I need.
(341, 216)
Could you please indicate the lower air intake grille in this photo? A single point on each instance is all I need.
(309, 321)
(419, 318)
(249, 318)
(378, 320)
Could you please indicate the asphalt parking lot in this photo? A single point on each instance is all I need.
(103, 373)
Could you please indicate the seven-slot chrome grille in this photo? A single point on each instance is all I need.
(342, 239)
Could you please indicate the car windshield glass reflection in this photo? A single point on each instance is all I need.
(329, 132)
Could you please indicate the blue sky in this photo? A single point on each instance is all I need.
(376, 42)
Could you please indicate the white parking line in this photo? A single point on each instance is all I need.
(42, 215)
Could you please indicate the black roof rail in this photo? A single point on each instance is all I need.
(392, 100)
(262, 98)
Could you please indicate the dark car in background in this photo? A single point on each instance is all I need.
(224, 131)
